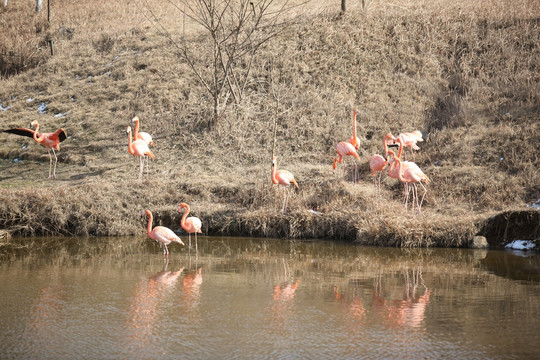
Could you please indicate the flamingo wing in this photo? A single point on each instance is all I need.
(165, 235)
(193, 225)
(140, 147)
(62, 135)
(146, 137)
(21, 132)
(377, 163)
(284, 177)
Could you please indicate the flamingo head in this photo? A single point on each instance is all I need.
(34, 123)
(182, 206)
(146, 212)
(128, 130)
(135, 119)
(273, 161)
(356, 112)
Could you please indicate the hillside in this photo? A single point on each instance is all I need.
(469, 78)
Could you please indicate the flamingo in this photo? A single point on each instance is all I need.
(343, 149)
(161, 234)
(144, 136)
(377, 163)
(412, 174)
(50, 140)
(140, 149)
(409, 139)
(353, 139)
(284, 178)
(192, 224)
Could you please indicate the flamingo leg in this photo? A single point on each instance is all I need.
(284, 200)
(189, 237)
(423, 196)
(141, 167)
(196, 247)
(50, 162)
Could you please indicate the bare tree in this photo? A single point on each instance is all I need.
(236, 29)
(39, 5)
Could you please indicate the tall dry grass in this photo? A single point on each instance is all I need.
(464, 73)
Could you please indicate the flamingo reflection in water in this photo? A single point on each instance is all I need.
(281, 309)
(150, 296)
(354, 307)
(191, 293)
(46, 320)
(408, 311)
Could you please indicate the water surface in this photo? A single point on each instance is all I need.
(117, 298)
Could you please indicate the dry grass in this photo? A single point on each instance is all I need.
(467, 76)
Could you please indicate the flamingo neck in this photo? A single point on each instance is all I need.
(274, 180)
(36, 138)
(136, 129)
(397, 164)
(386, 145)
(400, 141)
(150, 220)
(183, 220)
(130, 145)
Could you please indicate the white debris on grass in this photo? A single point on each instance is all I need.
(521, 245)
(535, 204)
(42, 108)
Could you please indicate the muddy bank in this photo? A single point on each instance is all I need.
(115, 209)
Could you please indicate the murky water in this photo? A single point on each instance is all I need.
(116, 298)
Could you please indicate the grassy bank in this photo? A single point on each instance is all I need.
(468, 77)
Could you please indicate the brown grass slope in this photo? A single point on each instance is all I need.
(467, 77)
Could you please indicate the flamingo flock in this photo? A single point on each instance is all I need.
(139, 145)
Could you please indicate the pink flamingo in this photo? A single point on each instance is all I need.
(343, 149)
(192, 225)
(409, 139)
(139, 148)
(377, 163)
(412, 174)
(144, 136)
(50, 140)
(161, 234)
(283, 178)
(355, 141)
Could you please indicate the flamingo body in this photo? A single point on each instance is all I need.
(161, 234)
(140, 149)
(410, 174)
(192, 224)
(343, 149)
(144, 136)
(51, 141)
(283, 178)
(377, 164)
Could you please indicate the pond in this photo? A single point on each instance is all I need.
(118, 298)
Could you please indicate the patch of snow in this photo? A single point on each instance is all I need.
(16, 160)
(42, 108)
(314, 212)
(24, 146)
(29, 100)
(60, 115)
(521, 245)
(535, 204)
